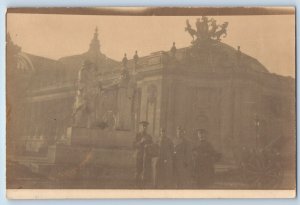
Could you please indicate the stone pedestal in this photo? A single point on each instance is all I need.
(98, 138)
(99, 158)
(102, 156)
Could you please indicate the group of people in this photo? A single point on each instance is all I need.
(174, 163)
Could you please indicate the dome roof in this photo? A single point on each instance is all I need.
(24, 62)
(213, 53)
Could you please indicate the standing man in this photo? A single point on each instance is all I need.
(205, 156)
(180, 164)
(163, 177)
(143, 162)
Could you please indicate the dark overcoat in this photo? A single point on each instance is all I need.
(143, 162)
(204, 158)
(180, 162)
(164, 164)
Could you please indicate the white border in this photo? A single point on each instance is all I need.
(125, 194)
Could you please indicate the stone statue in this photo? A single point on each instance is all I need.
(173, 50)
(221, 32)
(207, 29)
(198, 26)
(189, 29)
(84, 107)
(124, 101)
(79, 111)
(125, 61)
(135, 57)
(213, 29)
(204, 27)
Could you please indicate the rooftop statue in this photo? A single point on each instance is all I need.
(189, 29)
(207, 29)
(222, 31)
(214, 27)
(173, 50)
(135, 57)
(125, 61)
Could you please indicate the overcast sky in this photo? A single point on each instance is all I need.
(270, 39)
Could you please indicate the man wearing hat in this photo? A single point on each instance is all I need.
(180, 158)
(143, 162)
(163, 166)
(204, 158)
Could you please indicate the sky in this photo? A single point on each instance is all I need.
(268, 38)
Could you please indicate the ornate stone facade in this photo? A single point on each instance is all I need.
(206, 85)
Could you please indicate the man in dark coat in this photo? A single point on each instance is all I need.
(180, 165)
(143, 160)
(204, 158)
(163, 177)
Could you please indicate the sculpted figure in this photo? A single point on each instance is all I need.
(214, 27)
(136, 57)
(202, 27)
(222, 31)
(198, 27)
(84, 107)
(189, 29)
(173, 50)
(124, 101)
(207, 29)
(125, 61)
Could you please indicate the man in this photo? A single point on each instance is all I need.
(204, 158)
(163, 177)
(143, 160)
(180, 164)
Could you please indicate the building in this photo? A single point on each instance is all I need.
(207, 85)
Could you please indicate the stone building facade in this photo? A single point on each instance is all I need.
(207, 85)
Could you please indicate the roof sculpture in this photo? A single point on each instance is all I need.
(207, 29)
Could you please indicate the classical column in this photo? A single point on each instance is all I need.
(171, 107)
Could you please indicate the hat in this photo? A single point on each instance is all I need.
(144, 123)
(181, 129)
(201, 130)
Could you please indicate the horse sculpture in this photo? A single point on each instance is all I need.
(203, 32)
(222, 31)
(189, 29)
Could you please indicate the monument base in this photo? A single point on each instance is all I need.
(98, 138)
(102, 158)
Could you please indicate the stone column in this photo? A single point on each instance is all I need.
(170, 107)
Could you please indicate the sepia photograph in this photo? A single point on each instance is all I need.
(151, 102)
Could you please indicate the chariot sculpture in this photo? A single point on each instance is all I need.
(207, 29)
